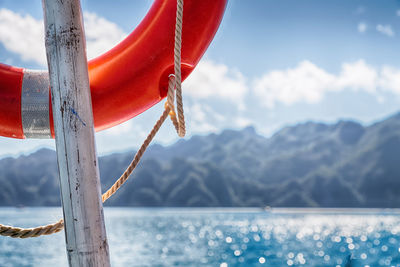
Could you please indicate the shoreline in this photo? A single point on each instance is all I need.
(272, 210)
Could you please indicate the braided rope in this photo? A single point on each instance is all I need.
(175, 81)
(17, 232)
(177, 69)
(124, 177)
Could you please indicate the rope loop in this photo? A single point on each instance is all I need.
(178, 122)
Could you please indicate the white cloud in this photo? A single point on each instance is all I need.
(385, 29)
(398, 12)
(198, 113)
(358, 76)
(24, 35)
(202, 118)
(118, 130)
(216, 80)
(390, 79)
(242, 122)
(101, 34)
(362, 27)
(309, 83)
(306, 82)
(203, 127)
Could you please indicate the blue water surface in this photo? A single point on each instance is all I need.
(220, 237)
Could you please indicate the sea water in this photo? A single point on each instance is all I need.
(220, 237)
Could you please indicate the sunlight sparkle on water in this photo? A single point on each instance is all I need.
(148, 237)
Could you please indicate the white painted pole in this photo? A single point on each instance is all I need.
(85, 233)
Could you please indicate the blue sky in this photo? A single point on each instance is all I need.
(271, 64)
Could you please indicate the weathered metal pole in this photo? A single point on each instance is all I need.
(73, 122)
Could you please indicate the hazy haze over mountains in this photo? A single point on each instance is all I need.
(306, 165)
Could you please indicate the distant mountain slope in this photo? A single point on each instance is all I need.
(309, 164)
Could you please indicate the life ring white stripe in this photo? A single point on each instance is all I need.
(35, 104)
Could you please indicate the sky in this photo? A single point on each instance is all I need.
(271, 64)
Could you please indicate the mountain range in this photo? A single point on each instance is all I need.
(310, 164)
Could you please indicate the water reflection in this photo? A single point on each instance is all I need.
(174, 237)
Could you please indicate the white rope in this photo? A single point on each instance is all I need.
(181, 129)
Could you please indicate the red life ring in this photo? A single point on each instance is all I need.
(125, 81)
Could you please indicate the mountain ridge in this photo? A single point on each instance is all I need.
(310, 164)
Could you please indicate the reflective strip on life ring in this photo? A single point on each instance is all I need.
(125, 81)
(35, 103)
